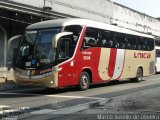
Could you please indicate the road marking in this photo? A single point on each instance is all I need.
(2, 107)
(6, 109)
(154, 79)
(58, 96)
(75, 97)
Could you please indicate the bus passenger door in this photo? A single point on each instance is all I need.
(67, 68)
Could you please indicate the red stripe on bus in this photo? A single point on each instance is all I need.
(112, 62)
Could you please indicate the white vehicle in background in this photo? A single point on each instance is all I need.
(157, 59)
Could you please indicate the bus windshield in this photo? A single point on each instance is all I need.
(43, 49)
(36, 48)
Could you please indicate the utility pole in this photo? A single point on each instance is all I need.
(44, 6)
(44, 3)
(46, 9)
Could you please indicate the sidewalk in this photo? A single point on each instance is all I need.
(5, 85)
(2, 80)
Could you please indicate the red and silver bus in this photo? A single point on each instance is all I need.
(70, 52)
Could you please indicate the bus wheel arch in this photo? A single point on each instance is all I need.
(139, 74)
(85, 79)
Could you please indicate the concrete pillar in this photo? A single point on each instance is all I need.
(3, 68)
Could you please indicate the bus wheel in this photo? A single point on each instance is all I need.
(156, 70)
(139, 75)
(84, 81)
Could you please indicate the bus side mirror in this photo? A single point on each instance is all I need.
(58, 36)
(17, 37)
(13, 43)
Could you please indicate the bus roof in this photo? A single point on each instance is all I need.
(79, 21)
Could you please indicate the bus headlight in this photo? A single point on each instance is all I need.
(51, 82)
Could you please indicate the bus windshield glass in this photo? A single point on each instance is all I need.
(44, 51)
(37, 45)
(27, 46)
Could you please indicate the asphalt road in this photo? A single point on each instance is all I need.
(26, 102)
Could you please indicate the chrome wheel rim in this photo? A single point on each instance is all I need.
(84, 80)
(139, 74)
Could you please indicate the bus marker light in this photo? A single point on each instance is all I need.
(72, 63)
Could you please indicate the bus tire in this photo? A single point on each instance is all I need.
(139, 75)
(156, 70)
(84, 81)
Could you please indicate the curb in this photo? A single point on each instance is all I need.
(5, 80)
(50, 113)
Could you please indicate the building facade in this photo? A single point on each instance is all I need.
(131, 19)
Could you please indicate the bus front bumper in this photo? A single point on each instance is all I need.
(48, 81)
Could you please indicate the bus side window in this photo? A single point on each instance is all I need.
(107, 43)
(134, 42)
(76, 30)
(141, 42)
(119, 40)
(92, 42)
(151, 44)
(106, 38)
(65, 49)
(90, 38)
(157, 41)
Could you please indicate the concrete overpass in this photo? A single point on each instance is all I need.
(14, 17)
(100, 10)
